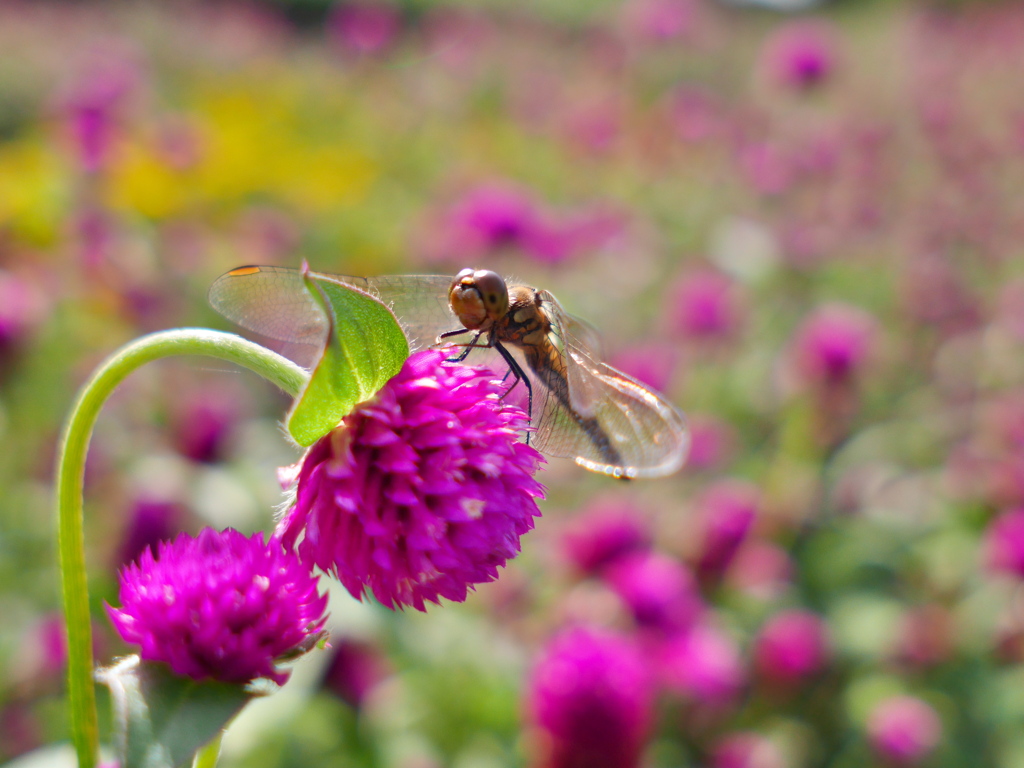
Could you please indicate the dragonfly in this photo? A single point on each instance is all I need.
(580, 407)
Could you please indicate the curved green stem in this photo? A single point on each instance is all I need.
(70, 478)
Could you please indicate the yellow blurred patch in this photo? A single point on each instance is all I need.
(35, 190)
(142, 182)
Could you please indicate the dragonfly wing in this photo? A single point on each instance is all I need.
(605, 420)
(273, 302)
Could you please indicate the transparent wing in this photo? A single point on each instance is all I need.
(273, 302)
(608, 422)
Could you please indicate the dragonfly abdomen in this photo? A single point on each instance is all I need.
(556, 383)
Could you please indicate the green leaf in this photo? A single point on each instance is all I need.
(162, 719)
(365, 348)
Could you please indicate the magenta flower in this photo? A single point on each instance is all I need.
(904, 730)
(93, 101)
(1004, 543)
(21, 308)
(421, 492)
(703, 664)
(203, 421)
(150, 522)
(746, 750)
(590, 694)
(726, 512)
(791, 647)
(704, 304)
(489, 217)
(364, 27)
(762, 570)
(219, 606)
(604, 534)
(834, 343)
(660, 591)
(355, 668)
(660, 20)
(801, 54)
(711, 442)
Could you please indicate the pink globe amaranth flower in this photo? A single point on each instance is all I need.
(696, 115)
(364, 27)
(92, 102)
(904, 730)
(703, 304)
(605, 533)
(725, 514)
(659, 590)
(150, 521)
(22, 307)
(420, 492)
(762, 570)
(801, 54)
(660, 20)
(704, 665)
(1004, 543)
(355, 668)
(203, 421)
(792, 646)
(746, 750)
(590, 694)
(712, 442)
(768, 168)
(489, 217)
(652, 364)
(833, 344)
(221, 605)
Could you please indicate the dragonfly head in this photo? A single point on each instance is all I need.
(478, 298)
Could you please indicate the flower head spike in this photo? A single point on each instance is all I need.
(221, 605)
(421, 492)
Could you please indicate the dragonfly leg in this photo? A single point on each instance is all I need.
(465, 347)
(518, 375)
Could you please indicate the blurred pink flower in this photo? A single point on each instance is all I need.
(150, 521)
(355, 668)
(652, 364)
(762, 570)
(766, 167)
(659, 20)
(711, 443)
(604, 533)
(46, 646)
(704, 304)
(833, 343)
(92, 101)
(659, 590)
(792, 646)
(703, 664)
(364, 27)
(725, 514)
(21, 307)
(696, 114)
(20, 729)
(203, 419)
(926, 636)
(590, 694)
(499, 215)
(1004, 543)
(801, 54)
(746, 750)
(904, 730)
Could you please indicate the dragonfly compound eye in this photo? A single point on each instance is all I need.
(493, 291)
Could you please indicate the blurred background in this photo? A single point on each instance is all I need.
(802, 222)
